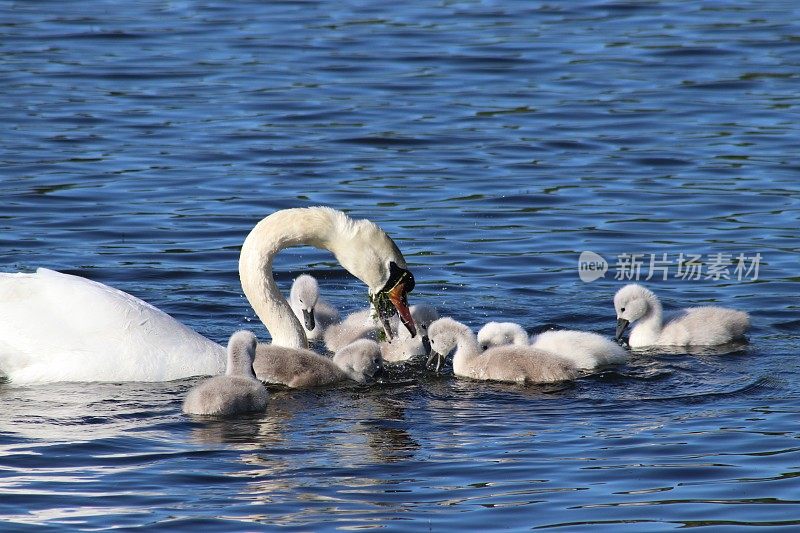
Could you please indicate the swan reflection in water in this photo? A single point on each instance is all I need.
(303, 431)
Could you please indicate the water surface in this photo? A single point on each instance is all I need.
(494, 141)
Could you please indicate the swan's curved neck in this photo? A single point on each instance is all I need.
(282, 229)
(467, 349)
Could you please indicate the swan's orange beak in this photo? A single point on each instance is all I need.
(396, 289)
(398, 295)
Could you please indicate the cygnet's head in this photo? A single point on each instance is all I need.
(632, 302)
(444, 335)
(424, 316)
(241, 352)
(304, 295)
(501, 334)
(360, 360)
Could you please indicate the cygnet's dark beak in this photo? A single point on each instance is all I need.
(308, 318)
(622, 324)
(426, 344)
(437, 358)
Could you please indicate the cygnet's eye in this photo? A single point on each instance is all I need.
(484, 347)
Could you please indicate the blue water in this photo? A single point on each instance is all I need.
(494, 141)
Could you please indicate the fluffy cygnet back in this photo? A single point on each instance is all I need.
(404, 347)
(502, 334)
(695, 326)
(238, 391)
(357, 325)
(303, 368)
(586, 349)
(312, 311)
(516, 364)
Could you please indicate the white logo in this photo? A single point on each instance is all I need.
(591, 266)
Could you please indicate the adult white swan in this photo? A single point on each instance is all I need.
(57, 327)
(360, 246)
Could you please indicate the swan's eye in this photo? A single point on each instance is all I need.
(622, 309)
(484, 347)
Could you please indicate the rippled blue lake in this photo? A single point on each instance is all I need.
(495, 142)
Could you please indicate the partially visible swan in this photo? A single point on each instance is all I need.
(357, 325)
(299, 368)
(587, 350)
(516, 364)
(238, 391)
(59, 327)
(315, 313)
(694, 326)
(502, 334)
(360, 360)
(404, 347)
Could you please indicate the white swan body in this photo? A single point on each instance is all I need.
(59, 327)
(515, 364)
(586, 349)
(238, 391)
(314, 313)
(405, 347)
(694, 326)
(299, 368)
